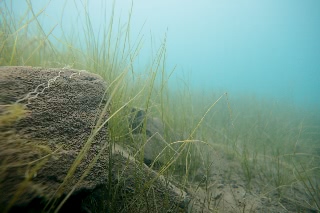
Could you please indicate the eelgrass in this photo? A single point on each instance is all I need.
(104, 61)
(267, 139)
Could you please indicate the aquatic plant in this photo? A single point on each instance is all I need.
(269, 140)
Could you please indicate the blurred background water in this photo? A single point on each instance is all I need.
(266, 48)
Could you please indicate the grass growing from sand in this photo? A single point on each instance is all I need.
(276, 146)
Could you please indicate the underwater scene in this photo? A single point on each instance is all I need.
(159, 106)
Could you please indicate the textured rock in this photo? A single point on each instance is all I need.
(63, 106)
(152, 140)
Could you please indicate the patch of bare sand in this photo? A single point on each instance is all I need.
(227, 190)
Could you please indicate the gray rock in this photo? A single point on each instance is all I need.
(156, 149)
(38, 150)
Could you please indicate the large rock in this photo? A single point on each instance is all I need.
(38, 150)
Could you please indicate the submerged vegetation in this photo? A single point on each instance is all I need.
(274, 148)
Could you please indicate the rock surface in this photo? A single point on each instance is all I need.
(152, 140)
(63, 108)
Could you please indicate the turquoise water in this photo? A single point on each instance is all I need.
(266, 48)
